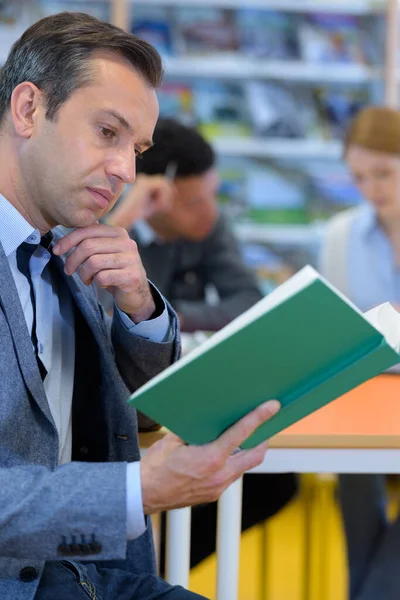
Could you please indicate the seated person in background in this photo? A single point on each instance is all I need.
(361, 256)
(186, 245)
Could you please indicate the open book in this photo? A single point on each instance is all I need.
(305, 344)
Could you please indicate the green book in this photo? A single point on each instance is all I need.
(305, 344)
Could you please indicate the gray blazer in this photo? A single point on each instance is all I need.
(182, 270)
(78, 510)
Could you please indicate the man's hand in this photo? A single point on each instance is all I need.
(176, 475)
(150, 194)
(109, 257)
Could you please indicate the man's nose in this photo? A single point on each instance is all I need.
(124, 166)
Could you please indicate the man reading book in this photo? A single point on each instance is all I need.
(77, 104)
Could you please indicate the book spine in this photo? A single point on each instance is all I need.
(322, 391)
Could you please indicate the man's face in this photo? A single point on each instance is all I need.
(193, 212)
(75, 166)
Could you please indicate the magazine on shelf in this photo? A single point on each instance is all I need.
(154, 25)
(220, 109)
(280, 110)
(203, 30)
(267, 34)
(333, 38)
(176, 102)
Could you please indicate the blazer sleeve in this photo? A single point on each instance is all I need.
(36, 518)
(222, 266)
(139, 359)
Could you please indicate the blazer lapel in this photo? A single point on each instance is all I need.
(11, 306)
(79, 293)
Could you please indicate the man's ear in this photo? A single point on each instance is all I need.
(26, 100)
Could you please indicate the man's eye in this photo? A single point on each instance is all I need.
(138, 154)
(107, 133)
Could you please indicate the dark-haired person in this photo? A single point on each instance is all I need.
(77, 104)
(185, 246)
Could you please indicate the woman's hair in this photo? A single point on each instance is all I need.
(375, 128)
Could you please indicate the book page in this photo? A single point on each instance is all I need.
(386, 320)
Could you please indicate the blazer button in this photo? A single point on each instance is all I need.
(28, 574)
(85, 549)
(75, 549)
(96, 547)
(64, 550)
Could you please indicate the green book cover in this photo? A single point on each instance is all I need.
(305, 344)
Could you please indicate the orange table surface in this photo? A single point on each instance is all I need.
(366, 417)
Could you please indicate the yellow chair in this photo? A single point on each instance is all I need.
(299, 554)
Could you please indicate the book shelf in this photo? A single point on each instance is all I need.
(272, 151)
(301, 164)
(233, 67)
(356, 7)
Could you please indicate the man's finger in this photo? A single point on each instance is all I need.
(102, 262)
(248, 459)
(79, 234)
(96, 247)
(233, 437)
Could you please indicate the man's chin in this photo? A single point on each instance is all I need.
(83, 218)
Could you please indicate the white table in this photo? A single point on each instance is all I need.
(358, 433)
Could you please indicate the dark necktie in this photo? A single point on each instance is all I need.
(24, 253)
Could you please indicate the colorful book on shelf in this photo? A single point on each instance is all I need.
(331, 188)
(333, 38)
(8, 14)
(337, 106)
(99, 9)
(305, 344)
(14, 19)
(232, 190)
(279, 110)
(257, 194)
(153, 25)
(267, 34)
(272, 197)
(176, 102)
(203, 30)
(220, 109)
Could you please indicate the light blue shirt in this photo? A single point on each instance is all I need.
(373, 276)
(56, 342)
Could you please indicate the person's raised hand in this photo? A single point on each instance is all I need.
(109, 257)
(149, 195)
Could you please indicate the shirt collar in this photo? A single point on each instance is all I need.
(14, 229)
